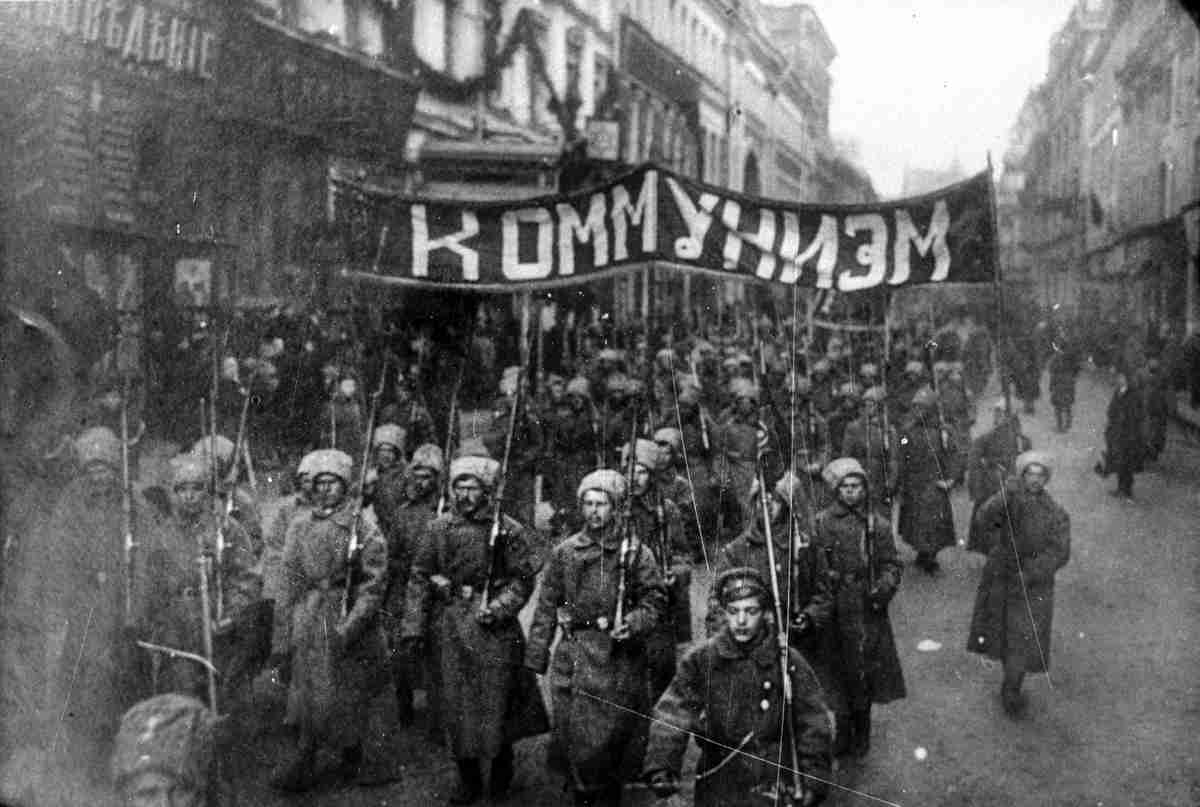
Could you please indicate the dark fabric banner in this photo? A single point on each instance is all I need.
(653, 217)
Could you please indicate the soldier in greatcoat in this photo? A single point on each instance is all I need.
(405, 524)
(407, 412)
(83, 668)
(603, 590)
(736, 448)
(989, 463)
(488, 700)
(678, 488)
(1014, 605)
(864, 574)
(571, 443)
(928, 467)
(658, 525)
(389, 487)
(799, 566)
(875, 447)
(728, 693)
(328, 643)
(176, 610)
(276, 534)
(237, 502)
(809, 435)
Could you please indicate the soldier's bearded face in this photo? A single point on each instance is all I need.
(1035, 478)
(154, 789)
(329, 491)
(100, 476)
(192, 496)
(386, 456)
(641, 480)
(576, 402)
(852, 490)
(745, 406)
(469, 495)
(424, 481)
(598, 510)
(745, 618)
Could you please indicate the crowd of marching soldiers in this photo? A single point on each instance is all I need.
(405, 552)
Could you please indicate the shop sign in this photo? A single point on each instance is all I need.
(603, 139)
(169, 36)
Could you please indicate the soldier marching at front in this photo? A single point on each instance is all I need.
(603, 590)
(472, 574)
(328, 645)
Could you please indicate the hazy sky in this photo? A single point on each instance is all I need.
(919, 82)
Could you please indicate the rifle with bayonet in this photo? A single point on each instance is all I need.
(630, 532)
(353, 546)
(451, 423)
(129, 542)
(497, 528)
(781, 616)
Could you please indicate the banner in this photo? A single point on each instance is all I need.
(653, 217)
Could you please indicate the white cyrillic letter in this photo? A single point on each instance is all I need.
(570, 230)
(873, 255)
(698, 220)
(644, 214)
(908, 236)
(510, 258)
(824, 245)
(422, 246)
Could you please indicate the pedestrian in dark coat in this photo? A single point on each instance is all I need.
(1125, 434)
(728, 693)
(1014, 605)
(1064, 370)
(928, 466)
(989, 463)
(864, 572)
(571, 443)
(602, 588)
(333, 659)
(488, 700)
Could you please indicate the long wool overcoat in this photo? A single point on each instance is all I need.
(337, 661)
(487, 698)
(926, 519)
(599, 686)
(858, 647)
(1030, 541)
(732, 697)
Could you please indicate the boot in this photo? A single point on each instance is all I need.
(470, 782)
(860, 742)
(300, 773)
(502, 773)
(1012, 700)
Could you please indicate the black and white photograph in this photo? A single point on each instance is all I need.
(599, 403)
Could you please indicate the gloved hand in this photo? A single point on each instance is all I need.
(663, 784)
(879, 597)
(281, 664)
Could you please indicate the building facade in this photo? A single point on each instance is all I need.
(1106, 158)
(170, 156)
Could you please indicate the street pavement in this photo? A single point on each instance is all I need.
(1114, 723)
